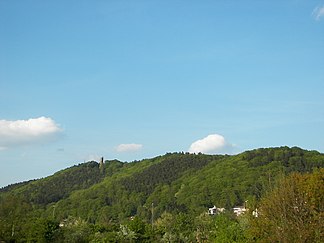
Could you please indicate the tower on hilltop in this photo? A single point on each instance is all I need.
(101, 165)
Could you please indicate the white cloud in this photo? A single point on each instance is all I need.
(213, 143)
(22, 132)
(130, 147)
(318, 12)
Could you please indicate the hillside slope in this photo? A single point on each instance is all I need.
(60, 185)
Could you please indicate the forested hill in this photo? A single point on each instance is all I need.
(62, 183)
(174, 183)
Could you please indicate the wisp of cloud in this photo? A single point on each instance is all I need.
(130, 147)
(318, 12)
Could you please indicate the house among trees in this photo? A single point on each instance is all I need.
(236, 210)
(239, 210)
(214, 210)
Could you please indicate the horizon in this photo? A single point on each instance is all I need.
(131, 80)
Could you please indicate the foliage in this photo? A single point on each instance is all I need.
(119, 203)
(228, 229)
(43, 230)
(63, 183)
(293, 210)
(292, 159)
(171, 168)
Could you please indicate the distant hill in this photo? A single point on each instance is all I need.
(175, 183)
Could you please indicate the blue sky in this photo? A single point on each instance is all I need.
(136, 79)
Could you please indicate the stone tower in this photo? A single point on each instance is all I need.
(101, 165)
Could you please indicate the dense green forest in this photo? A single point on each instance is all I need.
(166, 199)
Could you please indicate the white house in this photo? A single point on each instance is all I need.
(214, 210)
(239, 210)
